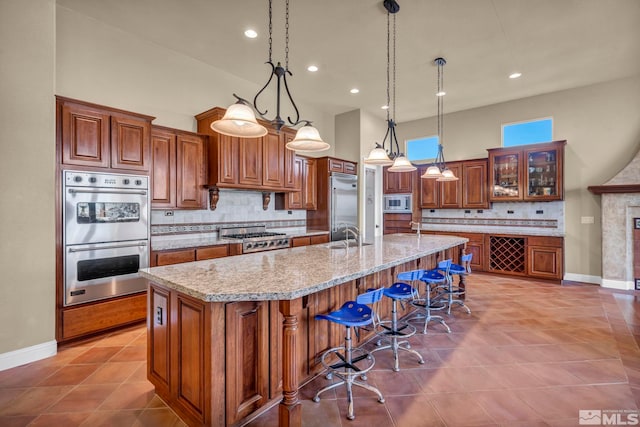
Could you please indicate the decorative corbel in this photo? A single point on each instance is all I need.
(266, 198)
(214, 196)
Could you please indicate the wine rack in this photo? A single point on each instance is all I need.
(507, 254)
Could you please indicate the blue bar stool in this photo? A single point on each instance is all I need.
(352, 314)
(392, 333)
(462, 269)
(430, 278)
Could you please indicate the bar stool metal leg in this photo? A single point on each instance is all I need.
(393, 333)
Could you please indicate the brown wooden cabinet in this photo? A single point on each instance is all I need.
(98, 136)
(304, 194)
(247, 340)
(178, 256)
(397, 182)
(544, 257)
(397, 223)
(247, 163)
(342, 166)
(309, 240)
(475, 184)
(178, 173)
(530, 172)
(469, 191)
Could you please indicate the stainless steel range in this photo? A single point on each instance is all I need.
(255, 238)
(105, 236)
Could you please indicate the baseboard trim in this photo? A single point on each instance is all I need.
(623, 285)
(585, 278)
(26, 355)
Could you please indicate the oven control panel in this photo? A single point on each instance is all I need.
(105, 180)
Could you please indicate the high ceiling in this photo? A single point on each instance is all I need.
(555, 44)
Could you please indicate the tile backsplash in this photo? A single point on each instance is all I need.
(510, 216)
(235, 207)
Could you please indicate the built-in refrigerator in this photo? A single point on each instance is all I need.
(343, 205)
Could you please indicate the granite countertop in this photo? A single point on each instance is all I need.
(286, 274)
(161, 243)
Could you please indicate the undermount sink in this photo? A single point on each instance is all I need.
(341, 245)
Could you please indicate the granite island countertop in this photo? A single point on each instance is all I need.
(291, 273)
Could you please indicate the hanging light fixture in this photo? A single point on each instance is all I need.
(380, 155)
(240, 119)
(438, 168)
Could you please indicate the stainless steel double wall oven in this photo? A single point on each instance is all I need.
(106, 234)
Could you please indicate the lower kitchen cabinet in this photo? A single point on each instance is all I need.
(82, 320)
(178, 256)
(544, 257)
(309, 240)
(475, 246)
(172, 257)
(397, 223)
(247, 340)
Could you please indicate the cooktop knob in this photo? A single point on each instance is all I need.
(138, 182)
(93, 179)
(77, 178)
(126, 181)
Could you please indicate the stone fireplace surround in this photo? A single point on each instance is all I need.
(620, 208)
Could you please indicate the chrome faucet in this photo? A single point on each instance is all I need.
(418, 224)
(351, 230)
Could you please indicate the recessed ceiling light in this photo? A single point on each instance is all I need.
(312, 68)
(385, 107)
(441, 93)
(251, 34)
(354, 90)
(514, 75)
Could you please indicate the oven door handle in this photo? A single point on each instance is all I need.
(130, 245)
(77, 191)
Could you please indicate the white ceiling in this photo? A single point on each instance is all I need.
(556, 44)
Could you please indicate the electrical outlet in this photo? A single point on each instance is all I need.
(586, 220)
(479, 211)
(539, 211)
(467, 211)
(289, 213)
(168, 213)
(159, 315)
(509, 212)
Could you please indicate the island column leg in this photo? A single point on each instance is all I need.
(290, 410)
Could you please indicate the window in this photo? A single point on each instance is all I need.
(529, 132)
(422, 148)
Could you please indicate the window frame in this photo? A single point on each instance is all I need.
(539, 119)
(419, 161)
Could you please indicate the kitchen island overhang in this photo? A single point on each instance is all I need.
(196, 308)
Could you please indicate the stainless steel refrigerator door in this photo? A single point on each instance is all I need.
(344, 204)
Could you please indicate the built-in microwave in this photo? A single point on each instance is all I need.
(397, 203)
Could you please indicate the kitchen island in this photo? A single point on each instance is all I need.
(228, 337)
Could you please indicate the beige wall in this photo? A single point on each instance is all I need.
(602, 129)
(27, 135)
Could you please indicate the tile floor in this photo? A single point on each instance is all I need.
(530, 354)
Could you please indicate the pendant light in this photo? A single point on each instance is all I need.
(438, 168)
(380, 155)
(240, 119)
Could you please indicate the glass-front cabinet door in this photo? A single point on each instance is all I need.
(506, 169)
(544, 172)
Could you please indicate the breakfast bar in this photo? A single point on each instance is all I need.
(230, 337)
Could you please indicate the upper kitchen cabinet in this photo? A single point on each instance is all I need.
(475, 187)
(342, 166)
(397, 182)
(469, 191)
(529, 172)
(179, 171)
(304, 194)
(247, 163)
(97, 136)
